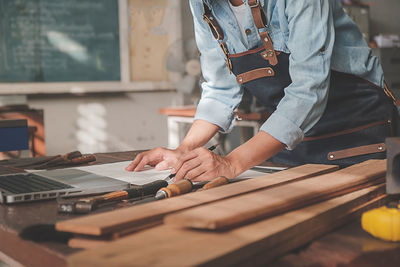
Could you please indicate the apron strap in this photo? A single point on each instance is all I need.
(217, 33)
(260, 20)
(390, 94)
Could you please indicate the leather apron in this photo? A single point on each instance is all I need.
(358, 117)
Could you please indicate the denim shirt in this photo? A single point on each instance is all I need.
(319, 37)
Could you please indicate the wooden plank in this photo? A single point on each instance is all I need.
(105, 223)
(85, 241)
(272, 201)
(310, 233)
(168, 246)
(89, 241)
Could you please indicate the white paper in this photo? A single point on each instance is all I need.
(117, 171)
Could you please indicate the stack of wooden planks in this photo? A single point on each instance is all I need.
(248, 222)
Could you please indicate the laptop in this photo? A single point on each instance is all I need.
(25, 187)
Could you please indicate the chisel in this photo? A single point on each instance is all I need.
(86, 205)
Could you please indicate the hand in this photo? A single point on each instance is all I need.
(201, 164)
(159, 157)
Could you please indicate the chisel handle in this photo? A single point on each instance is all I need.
(215, 183)
(179, 188)
(138, 191)
(146, 189)
(83, 159)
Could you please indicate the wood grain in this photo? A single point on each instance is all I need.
(272, 201)
(169, 246)
(114, 221)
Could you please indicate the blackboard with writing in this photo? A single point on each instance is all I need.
(59, 40)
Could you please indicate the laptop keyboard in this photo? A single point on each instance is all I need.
(29, 183)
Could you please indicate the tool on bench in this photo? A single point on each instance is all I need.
(215, 183)
(86, 205)
(181, 187)
(69, 159)
(185, 186)
(384, 222)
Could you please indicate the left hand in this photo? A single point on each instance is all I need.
(201, 164)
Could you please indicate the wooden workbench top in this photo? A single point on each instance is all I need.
(347, 246)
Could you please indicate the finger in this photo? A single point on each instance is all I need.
(134, 163)
(145, 160)
(178, 165)
(196, 173)
(186, 167)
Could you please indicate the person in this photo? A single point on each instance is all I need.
(307, 63)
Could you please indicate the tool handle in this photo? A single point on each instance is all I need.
(181, 187)
(146, 189)
(215, 183)
(72, 155)
(83, 159)
(134, 192)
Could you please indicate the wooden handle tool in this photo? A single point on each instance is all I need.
(181, 187)
(215, 183)
(86, 205)
(83, 159)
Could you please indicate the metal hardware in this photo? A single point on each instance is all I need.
(256, 4)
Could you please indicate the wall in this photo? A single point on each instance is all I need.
(104, 123)
(384, 16)
(107, 122)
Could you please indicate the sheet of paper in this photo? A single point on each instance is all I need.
(117, 171)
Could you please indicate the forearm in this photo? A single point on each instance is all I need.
(199, 134)
(258, 149)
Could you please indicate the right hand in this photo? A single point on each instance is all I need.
(160, 158)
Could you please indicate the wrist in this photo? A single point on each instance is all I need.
(184, 148)
(235, 163)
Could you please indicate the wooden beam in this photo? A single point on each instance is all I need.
(169, 246)
(138, 216)
(272, 201)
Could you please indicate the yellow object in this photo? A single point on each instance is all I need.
(383, 223)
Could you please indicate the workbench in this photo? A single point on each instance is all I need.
(346, 246)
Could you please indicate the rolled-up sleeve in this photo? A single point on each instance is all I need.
(311, 37)
(221, 93)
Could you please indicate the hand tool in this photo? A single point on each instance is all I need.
(86, 205)
(172, 175)
(181, 187)
(215, 183)
(185, 186)
(383, 222)
(72, 158)
(268, 169)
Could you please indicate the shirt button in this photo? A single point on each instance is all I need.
(247, 31)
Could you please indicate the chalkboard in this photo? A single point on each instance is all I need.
(59, 40)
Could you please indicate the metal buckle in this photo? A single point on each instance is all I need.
(255, 5)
